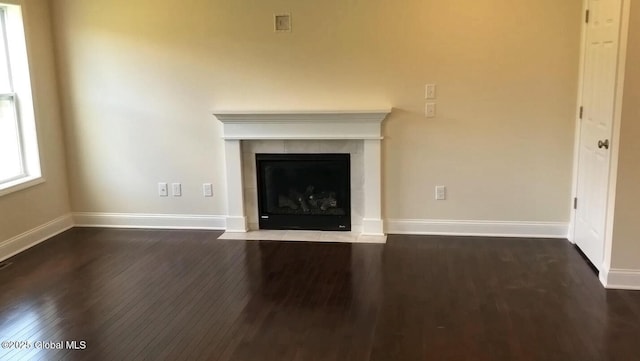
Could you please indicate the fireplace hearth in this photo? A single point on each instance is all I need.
(304, 191)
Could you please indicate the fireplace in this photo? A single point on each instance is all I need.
(280, 128)
(304, 191)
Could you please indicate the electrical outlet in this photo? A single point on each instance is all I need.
(430, 91)
(163, 190)
(430, 110)
(441, 193)
(176, 189)
(207, 189)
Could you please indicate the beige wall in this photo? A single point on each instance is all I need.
(626, 230)
(23, 210)
(140, 79)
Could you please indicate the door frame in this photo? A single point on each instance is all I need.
(615, 136)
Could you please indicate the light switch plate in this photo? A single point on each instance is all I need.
(430, 91)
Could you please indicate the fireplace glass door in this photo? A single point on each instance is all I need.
(304, 191)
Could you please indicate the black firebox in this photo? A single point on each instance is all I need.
(304, 191)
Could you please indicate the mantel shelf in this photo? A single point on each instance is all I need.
(306, 115)
(317, 124)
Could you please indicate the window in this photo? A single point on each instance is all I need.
(19, 159)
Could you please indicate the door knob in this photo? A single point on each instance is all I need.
(604, 144)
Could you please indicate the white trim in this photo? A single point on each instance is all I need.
(372, 226)
(236, 216)
(372, 223)
(142, 220)
(300, 115)
(577, 126)
(20, 184)
(623, 279)
(236, 224)
(19, 48)
(299, 137)
(615, 136)
(343, 124)
(477, 228)
(30, 238)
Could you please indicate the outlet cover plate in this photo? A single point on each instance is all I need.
(430, 110)
(176, 189)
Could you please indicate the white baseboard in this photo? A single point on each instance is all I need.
(478, 228)
(141, 220)
(571, 229)
(397, 226)
(34, 236)
(236, 224)
(622, 279)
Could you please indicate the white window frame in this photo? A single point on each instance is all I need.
(16, 49)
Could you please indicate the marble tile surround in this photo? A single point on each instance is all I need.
(353, 147)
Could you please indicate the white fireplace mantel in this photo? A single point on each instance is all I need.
(353, 124)
(365, 125)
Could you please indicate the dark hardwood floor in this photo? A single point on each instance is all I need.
(184, 295)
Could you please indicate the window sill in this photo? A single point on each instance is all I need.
(20, 184)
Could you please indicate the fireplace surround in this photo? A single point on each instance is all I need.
(363, 128)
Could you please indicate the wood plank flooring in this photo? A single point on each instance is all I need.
(185, 295)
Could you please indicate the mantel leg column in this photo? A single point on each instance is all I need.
(372, 223)
(236, 220)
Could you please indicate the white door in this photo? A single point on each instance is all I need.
(598, 96)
